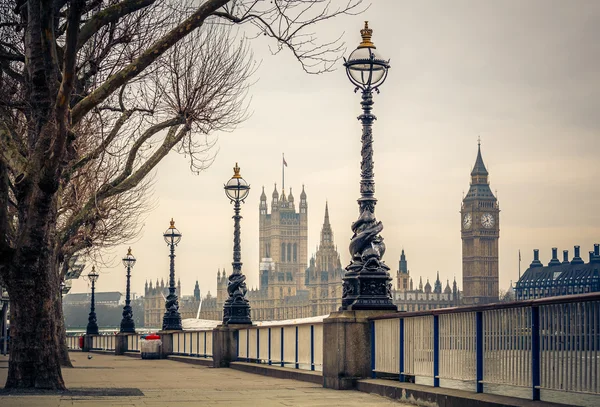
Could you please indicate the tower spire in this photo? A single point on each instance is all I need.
(479, 168)
(326, 232)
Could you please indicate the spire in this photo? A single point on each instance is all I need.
(303, 194)
(263, 197)
(480, 187)
(326, 232)
(427, 287)
(403, 267)
(290, 196)
(275, 193)
(437, 286)
(447, 290)
(479, 168)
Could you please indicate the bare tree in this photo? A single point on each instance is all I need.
(93, 94)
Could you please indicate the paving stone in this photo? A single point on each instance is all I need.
(117, 381)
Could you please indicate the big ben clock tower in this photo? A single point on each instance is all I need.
(480, 231)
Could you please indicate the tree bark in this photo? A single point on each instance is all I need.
(35, 349)
(33, 284)
(65, 360)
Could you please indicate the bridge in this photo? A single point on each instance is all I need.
(536, 352)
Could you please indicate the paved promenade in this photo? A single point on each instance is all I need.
(108, 380)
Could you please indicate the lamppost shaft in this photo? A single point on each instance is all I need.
(92, 326)
(127, 323)
(237, 244)
(172, 317)
(172, 271)
(367, 200)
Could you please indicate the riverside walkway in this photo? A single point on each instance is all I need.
(107, 380)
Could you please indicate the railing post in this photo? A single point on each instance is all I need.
(183, 344)
(401, 351)
(479, 350)
(372, 329)
(312, 347)
(297, 364)
(436, 351)
(535, 352)
(282, 340)
(258, 345)
(269, 354)
(204, 343)
(247, 345)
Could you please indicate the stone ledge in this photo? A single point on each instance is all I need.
(192, 360)
(442, 397)
(279, 372)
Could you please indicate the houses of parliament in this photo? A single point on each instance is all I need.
(291, 286)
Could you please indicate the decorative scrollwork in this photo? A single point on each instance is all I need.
(236, 287)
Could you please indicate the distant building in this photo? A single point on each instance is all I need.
(560, 278)
(421, 298)
(112, 298)
(287, 288)
(480, 232)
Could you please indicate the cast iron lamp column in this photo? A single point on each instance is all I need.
(92, 326)
(172, 318)
(367, 283)
(236, 309)
(127, 324)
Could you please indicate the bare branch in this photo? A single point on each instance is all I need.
(144, 60)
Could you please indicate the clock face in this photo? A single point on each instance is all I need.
(467, 221)
(487, 220)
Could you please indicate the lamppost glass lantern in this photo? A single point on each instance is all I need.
(172, 317)
(365, 67)
(237, 188)
(236, 309)
(367, 283)
(127, 323)
(129, 260)
(92, 326)
(172, 235)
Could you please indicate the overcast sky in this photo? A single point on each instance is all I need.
(523, 75)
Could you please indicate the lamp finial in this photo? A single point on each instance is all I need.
(129, 251)
(172, 224)
(366, 34)
(236, 171)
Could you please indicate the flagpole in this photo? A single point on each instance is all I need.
(283, 172)
(519, 264)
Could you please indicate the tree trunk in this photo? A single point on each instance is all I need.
(61, 335)
(34, 349)
(33, 285)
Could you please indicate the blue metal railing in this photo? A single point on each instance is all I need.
(545, 345)
(299, 346)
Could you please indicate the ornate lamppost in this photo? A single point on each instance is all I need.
(127, 324)
(92, 326)
(172, 318)
(367, 283)
(236, 309)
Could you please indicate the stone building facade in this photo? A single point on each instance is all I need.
(566, 277)
(421, 298)
(480, 232)
(288, 287)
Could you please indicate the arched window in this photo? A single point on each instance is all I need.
(289, 252)
(283, 252)
(295, 252)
